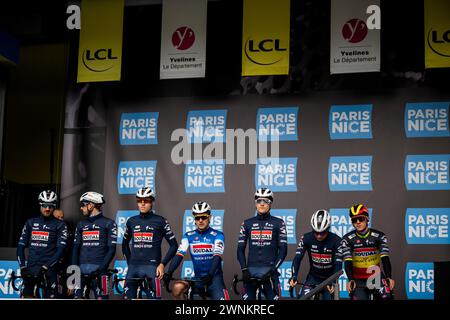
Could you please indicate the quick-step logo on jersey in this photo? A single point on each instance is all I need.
(206, 126)
(289, 216)
(350, 122)
(279, 124)
(427, 119)
(204, 176)
(216, 220)
(285, 274)
(419, 280)
(139, 128)
(350, 173)
(427, 225)
(187, 269)
(143, 237)
(278, 174)
(122, 268)
(133, 175)
(341, 224)
(261, 235)
(91, 235)
(6, 269)
(427, 172)
(202, 248)
(122, 217)
(39, 235)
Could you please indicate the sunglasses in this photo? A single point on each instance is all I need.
(84, 204)
(198, 218)
(143, 201)
(320, 234)
(46, 205)
(261, 201)
(358, 219)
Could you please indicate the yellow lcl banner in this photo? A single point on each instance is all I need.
(100, 47)
(437, 33)
(265, 40)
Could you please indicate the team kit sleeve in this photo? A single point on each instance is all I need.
(384, 255)
(61, 243)
(242, 244)
(172, 241)
(181, 252)
(112, 240)
(76, 245)
(23, 243)
(346, 252)
(219, 244)
(282, 245)
(299, 253)
(337, 255)
(126, 251)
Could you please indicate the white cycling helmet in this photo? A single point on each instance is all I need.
(145, 192)
(47, 196)
(94, 197)
(201, 207)
(320, 220)
(264, 193)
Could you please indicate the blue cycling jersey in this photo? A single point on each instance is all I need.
(206, 249)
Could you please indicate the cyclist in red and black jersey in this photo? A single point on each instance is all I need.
(364, 250)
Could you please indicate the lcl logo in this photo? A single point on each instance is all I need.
(98, 55)
(436, 41)
(265, 45)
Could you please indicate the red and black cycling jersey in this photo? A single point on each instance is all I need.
(364, 251)
(324, 256)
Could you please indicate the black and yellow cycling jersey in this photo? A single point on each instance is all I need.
(364, 251)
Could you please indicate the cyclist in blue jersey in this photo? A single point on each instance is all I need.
(325, 258)
(267, 240)
(94, 246)
(146, 231)
(206, 246)
(46, 238)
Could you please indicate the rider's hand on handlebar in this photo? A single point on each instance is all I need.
(391, 283)
(43, 270)
(351, 286)
(293, 282)
(246, 275)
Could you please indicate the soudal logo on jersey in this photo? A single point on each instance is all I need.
(364, 252)
(139, 128)
(261, 235)
(427, 119)
(350, 173)
(6, 269)
(321, 258)
(122, 268)
(279, 124)
(122, 217)
(427, 172)
(350, 122)
(142, 237)
(39, 235)
(341, 224)
(285, 274)
(91, 235)
(206, 126)
(215, 222)
(278, 174)
(419, 280)
(133, 175)
(202, 248)
(204, 176)
(427, 225)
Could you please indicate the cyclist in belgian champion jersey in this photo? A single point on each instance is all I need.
(364, 250)
(267, 240)
(324, 257)
(206, 246)
(46, 238)
(146, 231)
(94, 246)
